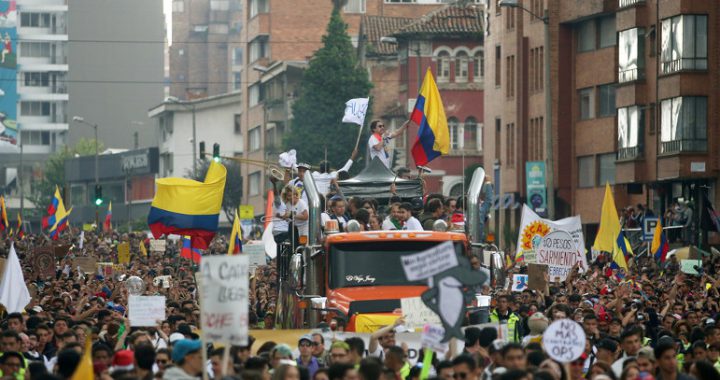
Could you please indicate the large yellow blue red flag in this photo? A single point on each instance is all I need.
(57, 218)
(433, 139)
(235, 246)
(49, 220)
(187, 207)
(610, 237)
(4, 223)
(659, 246)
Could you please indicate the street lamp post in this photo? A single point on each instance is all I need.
(190, 107)
(81, 120)
(549, 159)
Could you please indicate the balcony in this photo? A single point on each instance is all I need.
(631, 153)
(631, 75)
(629, 3)
(678, 146)
(684, 64)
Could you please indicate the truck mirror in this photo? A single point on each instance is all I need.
(296, 275)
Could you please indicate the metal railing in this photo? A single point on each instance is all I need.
(630, 75)
(629, 153)
(675, 146)
(681, 64)
(628, 3)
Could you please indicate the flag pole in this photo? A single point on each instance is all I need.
(357, 142)
(225, 359)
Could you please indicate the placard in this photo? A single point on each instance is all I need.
(425, 264)
(163, 281)
(519, 282)
(62, 250)
(105, 269)
(255, 250)
(247, 212)
(86, 264)
(688, 266)
(536, 277)
(432, 336)
(224, 299)
(44, 262)
(564, 340)
(648, 228)
(123, 253)
(416, 314)
(146, 310)
(158, 245)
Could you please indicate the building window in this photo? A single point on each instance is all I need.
(607, 100)
(608, 32)
(35, 20)
(257, 7)
(684, 124)
(586, 171)
(35, 49)
(35, 137)
(510, 75)
(237, 80)
(586, 36)
(607, 169)
(510, 19)
(238, 56)
(537, 69)
(35, 108)
(596, 33)
(219, 5)
(479, 66)
(537, 143)
(254, 136)
(510, 143)
(630, 132)
(258, 48)
(256, 94)
(461, 67)
(538, 8)
(684, 43)
(36, 79)
(254, 183)
(455, 140)
(178, 6)
(587, 103)
(237, 119)
(443, 66)
(355, 6)
(471, 139)
(631, 60)
(498, 65)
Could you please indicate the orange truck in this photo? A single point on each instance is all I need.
(358, 277)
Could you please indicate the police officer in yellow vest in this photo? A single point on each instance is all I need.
(504, 316)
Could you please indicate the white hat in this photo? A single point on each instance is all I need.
(174, 337)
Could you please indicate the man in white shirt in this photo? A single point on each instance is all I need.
(410, 222)
(379, 139)
(324, 177)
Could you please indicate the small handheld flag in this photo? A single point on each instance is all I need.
(107, 225)
(235, 246)
(4, 223)
(660, 246)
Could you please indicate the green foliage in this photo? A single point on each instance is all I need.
(332, 78)
(54, 174)
(233, 184)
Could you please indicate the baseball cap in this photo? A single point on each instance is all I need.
(307, 337)
(646, 352)
(303, 165)
(123, 360)
(183, 348)
(176, 336)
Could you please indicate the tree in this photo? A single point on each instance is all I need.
(332, 78)
(54, 174)
(233, 185)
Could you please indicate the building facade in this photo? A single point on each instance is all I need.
(634, 103)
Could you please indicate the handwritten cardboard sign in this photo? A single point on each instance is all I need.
(86, 264)
(688, 266)
(430, 262)
(224, 298)
(255, 249)
(158, 245)
(432, 336)
(564, 340)
(417, 315)
(146, 310)
(536, 276)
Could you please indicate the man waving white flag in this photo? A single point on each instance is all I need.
(14, 294)
(355, 110)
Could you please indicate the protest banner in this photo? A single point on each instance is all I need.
(536, 276)
(123, 253)
(425, 264)
(158, 245)
(416, 314)
(255, 250)
(86, 264)
(689, 266)
(246, 212)
(564, 340)
(146, 310)
(163, 281)
(519, 282)
(432, 336)
(224, 299)
(105, 269)
(559, 244)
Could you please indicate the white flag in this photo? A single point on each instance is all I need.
(269, 241)
(14, 294)
(355, 110)
(82, 239)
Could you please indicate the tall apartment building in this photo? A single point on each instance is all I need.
(634, 103)
(36, 30)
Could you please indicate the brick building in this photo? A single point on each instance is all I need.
(447, 40)
(633, 102)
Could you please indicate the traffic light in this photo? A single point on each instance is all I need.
(216, 152)
(202, 150)
(98, 195)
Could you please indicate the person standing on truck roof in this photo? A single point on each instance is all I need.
(297, 212)
(324, 177)
(380, 139)
(410, 223)
(299, 181)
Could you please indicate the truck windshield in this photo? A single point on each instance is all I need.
(374, 263)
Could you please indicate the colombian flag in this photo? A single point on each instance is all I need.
(433, 137)
(20, 231)
(62, 221)
(235, 246)
(189, 252)
(49, 220)
(107, 225)
(659, 245)
(610, 237)
(4, 223)
(187, 207)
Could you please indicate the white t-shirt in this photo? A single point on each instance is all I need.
(279, 225)
(388, 225)
(322, 180)
(413, 224)
(298, 208)
(382, 154)
(296, 182)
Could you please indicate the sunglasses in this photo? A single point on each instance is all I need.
(160, 361)
(306, 344)
(460, 375)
